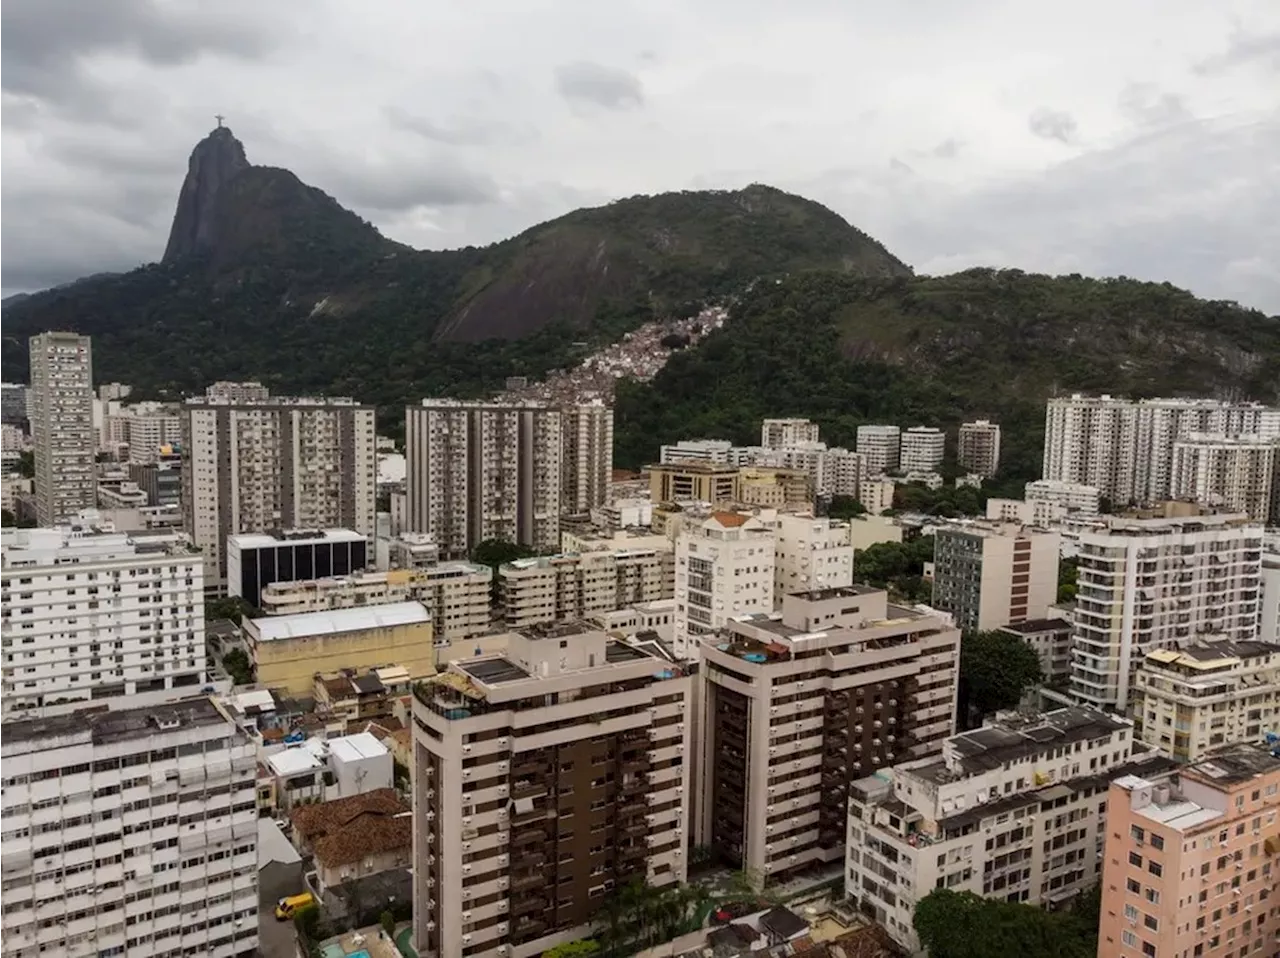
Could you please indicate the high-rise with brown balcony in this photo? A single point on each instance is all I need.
(978, 449)
(544, 778)
(797, 705)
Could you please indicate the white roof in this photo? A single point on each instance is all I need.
(260, 698)
(294, 761)
(352, 748)
(273, 627)
(253, 540)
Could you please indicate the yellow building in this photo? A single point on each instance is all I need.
(774, 486)
(693, 482)
(288, 650)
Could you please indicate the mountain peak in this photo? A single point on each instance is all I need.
(214, 162)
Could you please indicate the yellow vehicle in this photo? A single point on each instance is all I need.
(286, 908)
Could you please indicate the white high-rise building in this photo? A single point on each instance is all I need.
(480, 471)
(1236, 473)
(62, 432)
(724, 568)
(1145, 584)
(1269, 628)
(1125, 447)
(978, 449)
(586, 456)
(142, 429)
(1070, 496)
(832, 472)
(923, 449)
(811, 554)
(225, 391)
(285, 463)
(880, 447)
(130, 832)
(780, 433)
(92, 614)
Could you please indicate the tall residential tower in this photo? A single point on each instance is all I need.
(62, 430)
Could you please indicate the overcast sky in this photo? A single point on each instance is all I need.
(1102, 136)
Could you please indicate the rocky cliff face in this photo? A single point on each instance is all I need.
(217, 159)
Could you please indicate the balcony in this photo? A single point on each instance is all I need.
(529, 818)
(527, 906)
(531, 767)
(529, 836)
(524, 881)
(528, 928)
(631, 852)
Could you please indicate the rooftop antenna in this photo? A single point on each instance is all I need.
(219, 117)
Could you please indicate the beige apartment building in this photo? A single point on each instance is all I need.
(797, 705)
(1234, 473)
(990, 574)
(289, 650)
(479, 471)
(782, 433)
(544, 779)
(775, 487)
(1015, 811)
(456, 596)
(811, 554)
(64, 443)
(577, 584)
(586, 456)
(1206, 695)
(978, 450)
(693, 482)
(1189, 866)
(288, 463)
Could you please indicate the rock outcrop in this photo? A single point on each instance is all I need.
(215, 161)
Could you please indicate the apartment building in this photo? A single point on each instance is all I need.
(781, 433)
(876, 495)
(62, 433)
(130, 832)
(456, 596)
(797, 705)
(881, 448)
(978, 449)
(1051, 640)
(237, 392)
(1158, 583)
(285, 463)
(831, 471)
(13, 403)
(1206, 695)
(161, 478)
(1071, 496)
(1125, 447)
(1015, 810)
(775, 487)
(1269, 627)
(586, 456)
(254, 562)
(1235, 473)
(545, 778)
(138, 432)
(694, 482)
(479, 471)
(922, 450)
(724, 568)
(1189, 862)
(719, 451)
(988, 574)
(412, 550)
(811, 554)
(90, 615)
(577, 584)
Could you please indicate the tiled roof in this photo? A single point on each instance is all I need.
(729, 519)
(349, 829)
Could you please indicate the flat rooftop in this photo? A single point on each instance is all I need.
(1233, 766)
(105, 727)
(838, 592)
(273, 628)
(988, 748)
(1202, 653)
(1032, 626)
(301, 537)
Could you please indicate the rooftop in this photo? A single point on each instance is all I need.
(349, 829)
(1207, 653)
(353, 748)
(1011, 740)
(292, 537)
(1234, 765)
(304, 624)
(1032, 626)
(104, 727)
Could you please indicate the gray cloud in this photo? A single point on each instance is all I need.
(948, 149)
(584, 82)
(1052, 125)
(404, 186)
(1244, 49)
(1145, 105)
(462, 130)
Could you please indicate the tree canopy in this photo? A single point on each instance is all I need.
(996, 668)
(964, 925)
(896, 566)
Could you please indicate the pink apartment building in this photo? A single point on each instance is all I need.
(1190, 862)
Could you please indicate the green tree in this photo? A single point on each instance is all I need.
(1068, 573)
(27, 464)
(238, 666)
(846, 507)
(229, 607)
(573, 949)
(964, 925)
(896, 566)
(496, 552)
(388, 922)
(996, 668)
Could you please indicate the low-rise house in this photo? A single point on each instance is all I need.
(353, 838)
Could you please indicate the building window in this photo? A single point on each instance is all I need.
(1135, 859)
